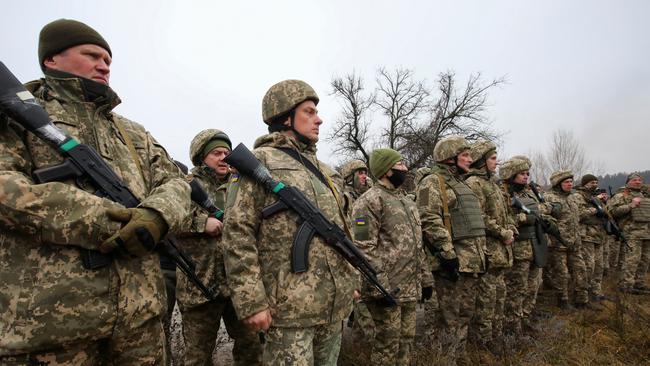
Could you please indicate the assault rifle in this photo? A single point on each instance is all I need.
(81, 162)
(312, 220)
(200, 196)
(608, 221)
(540, 246)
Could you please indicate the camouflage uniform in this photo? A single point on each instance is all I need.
(491, 297)
(387, 229)
(307, 308)
(201, 317)
(566, 262)
(593, 237)
(456, 298)
(51, 301)
(524, 278)
(635, 224)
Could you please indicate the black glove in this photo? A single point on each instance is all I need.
(427, 292)
(449, 268)
(383, 302)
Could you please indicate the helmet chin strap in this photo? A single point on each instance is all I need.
(302, 138)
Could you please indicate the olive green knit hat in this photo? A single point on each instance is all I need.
(381, 160)
(62, 34)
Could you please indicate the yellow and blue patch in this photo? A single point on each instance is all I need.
(360, 221)
(234, 178)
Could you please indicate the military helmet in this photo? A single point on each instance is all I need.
(449, 148)
(559, 176)
(284, 96)
(514, 165)
(352, 166)
(480, 148)
(201, 140)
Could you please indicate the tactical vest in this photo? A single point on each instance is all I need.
(528, 231)
(466, 215)
(642, 213)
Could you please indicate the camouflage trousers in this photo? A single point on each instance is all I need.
(200, 328)
(614, 253)
(487, 323)
(363, 322)
(394, 333)
(312, 346)
(142, 346)
(593, 256)
(170, 289)
(635, 262)
(457, 300)
(522, 283)
(567, 273)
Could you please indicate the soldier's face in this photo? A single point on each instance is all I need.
(362, 176)
(491, 163)
(567, 185)
(635, 183)
(522, 177)
(87, 60)
(591, 186)
(306, 120)
(464, 160)
(215, 161)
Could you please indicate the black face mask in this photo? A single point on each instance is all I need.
(398, 177)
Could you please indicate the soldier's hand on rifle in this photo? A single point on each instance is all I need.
(593, 210)
(636, 201)
(259, 321)
(508, 237)
(213, 227)
(143, 229)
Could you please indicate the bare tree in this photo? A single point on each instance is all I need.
(351, 128)
(415, 120)
(566, 153)
(540, 171)
(402, 100)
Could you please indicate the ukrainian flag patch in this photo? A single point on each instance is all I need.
(360, 221)
(234, 178)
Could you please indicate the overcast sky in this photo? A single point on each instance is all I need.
(181, 67)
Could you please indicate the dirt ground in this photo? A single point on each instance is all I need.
(618, 334)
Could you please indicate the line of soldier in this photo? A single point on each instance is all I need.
(456, 243)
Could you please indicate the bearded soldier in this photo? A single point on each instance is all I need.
(387, 229)
(592, 232)
(565, 259)
(301, 312)
(500, 230)
(524, 278)
(355, 182)
(202, 240)
(631, 207)
(58, 307)
(454, 231)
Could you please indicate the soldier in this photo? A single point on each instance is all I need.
(301, 312)
(355, 183)
(631, 207)
(524, 278)
(565, 259)
(202, 240)
(500, 230)
(453, 229)
(592, 233)
(56, 310)
(387, 229)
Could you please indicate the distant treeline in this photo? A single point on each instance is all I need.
(618, 180)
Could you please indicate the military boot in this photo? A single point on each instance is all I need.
(564, 304)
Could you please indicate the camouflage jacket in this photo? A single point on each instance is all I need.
(48, 297)
(591, 226)
(567, 217)
(206, 251)
(523, 248)
(620, 206)
(496, 217)
(350, 195)
(258, 250)
(470, 252)
(386, 227)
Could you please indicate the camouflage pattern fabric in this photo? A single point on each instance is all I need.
(635, 254)
(284, 96)
(394, 333)
(303, 346)
(51, 299)
(566, 266)
(449, 148)
(456, 300)
(488, 320)
(257, 251)
(386, 228)
(200, 328)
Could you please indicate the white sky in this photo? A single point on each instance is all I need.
(181, 67)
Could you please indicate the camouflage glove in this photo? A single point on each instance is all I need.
(143, 230)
